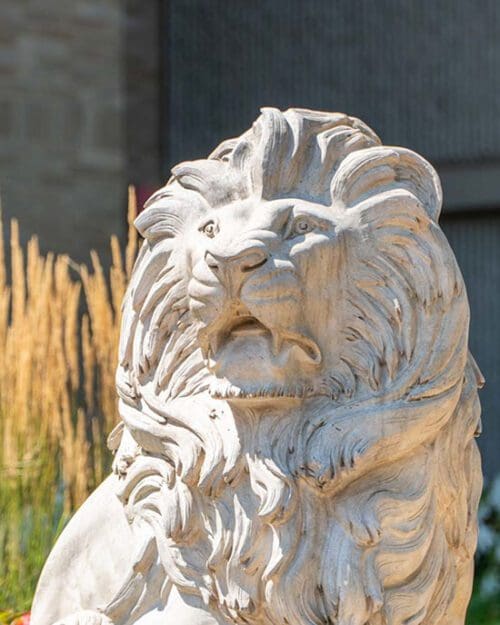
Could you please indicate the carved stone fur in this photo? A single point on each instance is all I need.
(298, 402)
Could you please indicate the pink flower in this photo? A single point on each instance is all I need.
(24, 619)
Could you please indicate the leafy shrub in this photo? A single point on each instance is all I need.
(485, 604)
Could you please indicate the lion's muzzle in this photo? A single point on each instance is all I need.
(234, 266)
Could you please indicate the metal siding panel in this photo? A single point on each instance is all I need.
(476, 243)
(424, 75)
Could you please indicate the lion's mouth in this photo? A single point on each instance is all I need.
(245, 326)
(241, 325)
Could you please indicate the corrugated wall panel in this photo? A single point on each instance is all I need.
(422, 74)
(475, 240)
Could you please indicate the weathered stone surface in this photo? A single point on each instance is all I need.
(78, 117)
(298, 401)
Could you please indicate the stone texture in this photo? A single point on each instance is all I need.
(298, 401)
(66, 119)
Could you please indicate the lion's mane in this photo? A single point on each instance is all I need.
(360, 508)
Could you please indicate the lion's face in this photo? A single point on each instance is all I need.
(284, 266)
(262, 287)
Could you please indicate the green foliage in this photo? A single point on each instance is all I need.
(483, 610)
(485, 605)
(7, 616)
(31, 517)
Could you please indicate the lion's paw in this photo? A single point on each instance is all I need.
(85, 617)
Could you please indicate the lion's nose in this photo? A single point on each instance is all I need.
(234, 266)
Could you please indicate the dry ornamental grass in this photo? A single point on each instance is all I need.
(57, 394)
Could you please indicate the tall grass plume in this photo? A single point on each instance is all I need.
(59, 327)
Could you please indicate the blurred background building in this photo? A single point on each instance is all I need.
(96, 94)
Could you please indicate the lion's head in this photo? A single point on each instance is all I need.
(267, 268)
(296, 330)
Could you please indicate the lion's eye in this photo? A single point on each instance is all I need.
(209, 229)
(301, 226)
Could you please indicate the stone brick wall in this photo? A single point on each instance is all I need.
(64, 80)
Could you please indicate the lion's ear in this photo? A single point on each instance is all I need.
(371, 171)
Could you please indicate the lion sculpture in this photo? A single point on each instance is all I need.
(298, 402)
